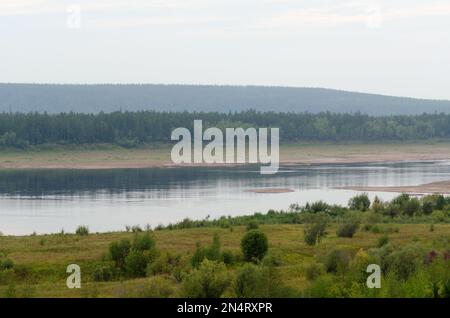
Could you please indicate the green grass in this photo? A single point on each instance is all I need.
(44, 258)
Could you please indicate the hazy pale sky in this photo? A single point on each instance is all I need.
(396, 47)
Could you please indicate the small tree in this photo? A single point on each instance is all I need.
(315, 228)
(208, 281)
(359, 202)
(118, 251)
(143, 242)
(254, 245)
(348, 228)
(82, 230)
(135, 264)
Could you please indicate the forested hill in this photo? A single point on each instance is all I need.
(95, 98)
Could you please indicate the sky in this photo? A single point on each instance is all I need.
(392, 47)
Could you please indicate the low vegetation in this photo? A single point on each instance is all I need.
(316, 250)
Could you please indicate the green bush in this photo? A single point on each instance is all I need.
(157, 287)
(256, 281)
(315, 228)
(359, 202)
(252, 225)
(254, 245)
(209, 280)
(103, 273)
(198, 256)
(336, 261)
(248, 279)
(7, 276)
(348, 228)
(405, 261)
(412, 207)
(135, 264)
(143, 242)
(439, 217)
(211, 252)
(82, 230)
(118, 251)
(378, 207)
(272, 259)
(313, 271)
(166, 263)
(6, 264)
(228, 257)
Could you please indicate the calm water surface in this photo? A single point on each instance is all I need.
(45, 201)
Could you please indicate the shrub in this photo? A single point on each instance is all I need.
(313, 271)
(166, 263)
(254, 245)
(412, 207)
(143, 242)
(7, 276)
(118, 251)
(315, 228)
(393, 210)
(358, 266)
(439, 216)
(6, 264)
(228, 257)
(272, 259)
(256, 281)
(208, 281)
(433, 202)
(427, 207)
(136, 229)
(359, 202)
(157, 287)
(383, 240)
(252, 225)
(378, 206)
(198, 257)
(82, 230)
(135, 264)
(211, 252)
(404, 261)
(103, 273)
(348, 228)
(336, 261)
(319, 206)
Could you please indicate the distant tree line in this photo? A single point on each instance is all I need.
(130, 129)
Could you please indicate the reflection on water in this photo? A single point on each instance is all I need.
(49, 200)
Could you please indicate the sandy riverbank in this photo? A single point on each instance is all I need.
(119, 158)
(442, 187)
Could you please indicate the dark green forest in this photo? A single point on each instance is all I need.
(131, 129)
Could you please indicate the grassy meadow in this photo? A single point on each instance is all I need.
(40, 261)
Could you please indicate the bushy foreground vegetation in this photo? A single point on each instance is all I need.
(360, 211)
(131, 129)
(312, 251)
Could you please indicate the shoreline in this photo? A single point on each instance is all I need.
(159, 157)
(439, 187)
